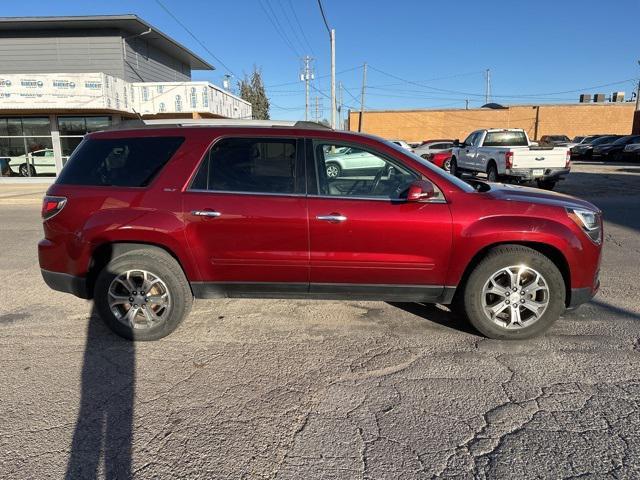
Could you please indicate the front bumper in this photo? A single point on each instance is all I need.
(526, 174)
(63, 282)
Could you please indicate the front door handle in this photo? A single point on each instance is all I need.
(334, 218)
(205, 213)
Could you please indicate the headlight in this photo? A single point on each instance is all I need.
(589, 221)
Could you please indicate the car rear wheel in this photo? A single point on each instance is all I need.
(143, 294)
(447, 164)
(546, 184)
(453, 169)
(27, 170)
(333, 170)
(515, 292)
(492, 173)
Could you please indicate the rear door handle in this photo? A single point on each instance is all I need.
(334, 218)
(205, 213)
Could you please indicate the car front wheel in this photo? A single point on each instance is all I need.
(143, 294)
(515, 292)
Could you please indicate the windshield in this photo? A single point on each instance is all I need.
(436, 170)
(506, 139)
(601, 140)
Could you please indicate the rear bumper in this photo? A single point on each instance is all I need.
(63, 282)
(549, 173)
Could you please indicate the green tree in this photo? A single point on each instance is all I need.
(252, 90)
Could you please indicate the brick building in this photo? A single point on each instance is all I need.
(537, 120)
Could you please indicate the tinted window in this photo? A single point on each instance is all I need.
(260, 165)
(120, 162)
(505, 139)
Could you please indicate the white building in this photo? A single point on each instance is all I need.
(62, 77)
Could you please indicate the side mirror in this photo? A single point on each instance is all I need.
(420, 190)
(456, 143)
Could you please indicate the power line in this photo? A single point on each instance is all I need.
(326, 24)
(291, 27)
(317, 76)
(530, 95)
(304, 35)
(194, 37)
(278, 28)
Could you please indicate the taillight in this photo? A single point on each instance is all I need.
(568, 160)
(52, 206)
(508, 159)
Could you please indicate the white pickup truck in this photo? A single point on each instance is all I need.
(509, 155)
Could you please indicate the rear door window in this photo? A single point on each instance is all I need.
(118, 162)
(250, 165)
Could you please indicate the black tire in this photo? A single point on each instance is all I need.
(502, 257)
(26, 170)
(546, 184)
(492, 172)
(333, 170)
(455, 171)
(164, 267)
(447, 165)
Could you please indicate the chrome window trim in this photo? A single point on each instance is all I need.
(299, 195)
(375, 199)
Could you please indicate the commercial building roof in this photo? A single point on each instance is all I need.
(130, 24)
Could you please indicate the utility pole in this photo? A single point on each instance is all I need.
(339, 106)
(466, 104)
(638, 96)
(317, 118)
(332, 35)
(364, 83)
(487, 91)
(306, 76)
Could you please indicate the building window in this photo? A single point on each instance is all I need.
(205, 97)
(178, 103)
(162, 107)
(194, 98)
(117, 101)
(160, 88)
(73, 129)
(145, 94)
(25, 147)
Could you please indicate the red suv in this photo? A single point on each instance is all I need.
(144, 220)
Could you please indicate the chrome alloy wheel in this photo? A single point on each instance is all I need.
(139, 299)
(515, 297)
(333, 171)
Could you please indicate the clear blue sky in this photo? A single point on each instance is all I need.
(532, 48)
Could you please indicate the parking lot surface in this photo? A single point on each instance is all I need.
(322, 389)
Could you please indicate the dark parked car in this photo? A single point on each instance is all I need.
(144, 220)
(584, 151)
(557, 140)
(614, 150)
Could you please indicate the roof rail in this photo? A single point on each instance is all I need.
(203, 122)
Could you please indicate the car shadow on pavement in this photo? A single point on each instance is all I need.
(104, 428)
(436, 314)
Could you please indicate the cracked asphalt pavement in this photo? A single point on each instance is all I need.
(322, 389)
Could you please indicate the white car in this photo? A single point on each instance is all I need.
(507, 154)
(403, 144)
(428, 148)
(38, 162)
(349, 161)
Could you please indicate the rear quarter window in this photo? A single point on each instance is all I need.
(118, 162)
